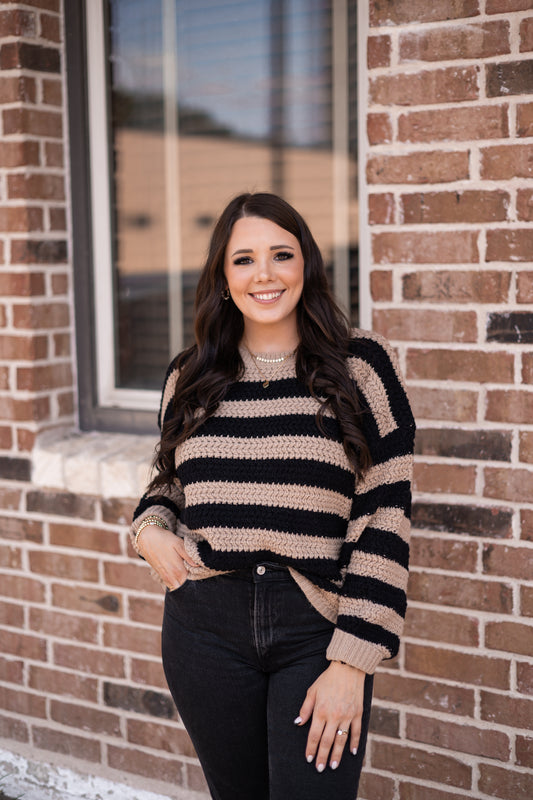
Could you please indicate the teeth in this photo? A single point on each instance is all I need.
(267, 295)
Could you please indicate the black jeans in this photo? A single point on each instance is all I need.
(239, 652)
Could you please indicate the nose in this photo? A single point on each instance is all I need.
(264, 270)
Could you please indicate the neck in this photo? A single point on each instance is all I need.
(271, 338)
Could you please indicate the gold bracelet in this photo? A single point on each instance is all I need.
(151, 520)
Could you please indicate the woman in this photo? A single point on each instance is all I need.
(279, 516)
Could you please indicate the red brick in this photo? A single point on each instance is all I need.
(404, 760)
(40, 378)
(467, 593)
(19, 154)
(510, 562)
(381, 209)
(52, 681)
(23, 55)
(434, 695)
(169, 738)
(18, 88)
(427, 167)
(375, 787)
(450, 479)
(45, 315)
(17, 22)
(378, 51)
(33, 122)
(405, 12)
(58, 220)
(50, 28)
(504, 710)
(415, 247)
(443, 404)
(524, 678)
(457, 736)
(460, 365)
(11, 614)
(501, 6)
(52, 92)
(22, 645)
(524, 119)
(196, 780)
(10, 557)
(508, 78)
(515, 485)
(414, 791)
(85, 538)
(11, 671)
(38, 251)
(450, 85)
(49, 5)
(6, 435)
(67, 744)
(133, 638)
(64, 504)
(85, 718)
(58, 565)
(117, 511)
(461, 124)
(444, 286)
(509, 406)
(64, 626)
(381, 284)
(5, 382)
(459, 206)
(87, 600)
(60, 284)
(22, 284)
(148, 673)
(65, 404)
(14, 699)
(14, 729)
(503, 162)
(141, 763)
(524, 205)
(440, 626)
(19, 218)
(425, 325)
(90, 660)
(36, 186)
(527, 367)
(53, 154)
(20, 529)
(378, 128)
(448, 664)
(25, 439)
(526, 35)
(509, 245)
(22, 588)
(146, 610)
(512, 637)
(526, 523)
(524, 751)
(128, 575)
(467, 41)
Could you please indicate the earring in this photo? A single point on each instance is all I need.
(225, 295)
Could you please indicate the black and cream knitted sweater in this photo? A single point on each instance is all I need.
(259, 481)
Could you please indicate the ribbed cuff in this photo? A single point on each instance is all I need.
(158, 511)
(356, 652)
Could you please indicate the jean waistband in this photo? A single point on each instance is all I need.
(262, 571)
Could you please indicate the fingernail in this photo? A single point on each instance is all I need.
(320, 768)
(297, 720)
(334, 764)
(309, 759)
(354, 751)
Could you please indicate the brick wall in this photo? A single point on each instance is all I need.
(450, 148)
(449, 169)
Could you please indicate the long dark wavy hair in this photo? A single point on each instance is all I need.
(207, 369)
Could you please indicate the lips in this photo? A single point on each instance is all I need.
(266, 297)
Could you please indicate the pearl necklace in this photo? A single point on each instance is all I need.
(279, 361)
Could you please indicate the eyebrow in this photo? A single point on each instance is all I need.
(274, 247)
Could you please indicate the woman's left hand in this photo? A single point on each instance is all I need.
(335, 702)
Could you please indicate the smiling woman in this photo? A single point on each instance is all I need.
(279, 516)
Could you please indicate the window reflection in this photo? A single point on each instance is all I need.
(208, 99)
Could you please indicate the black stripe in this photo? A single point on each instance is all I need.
(256, 517)
(253, 390)
(380, 543)
(261, 427)
(301, 472)
(389, 495)
(362, 587)
(369, 632)
(156, 500)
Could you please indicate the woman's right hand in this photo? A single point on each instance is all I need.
(166, 554)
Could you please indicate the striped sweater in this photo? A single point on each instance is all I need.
(259, 481)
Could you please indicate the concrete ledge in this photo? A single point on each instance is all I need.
(99, 464)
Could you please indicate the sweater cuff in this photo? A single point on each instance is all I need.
(356, 652)
(158, 511)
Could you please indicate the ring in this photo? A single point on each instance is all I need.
(340, 732)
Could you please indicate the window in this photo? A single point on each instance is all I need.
(190, 102)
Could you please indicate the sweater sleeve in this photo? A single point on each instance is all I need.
(165, 502)
(375, 554)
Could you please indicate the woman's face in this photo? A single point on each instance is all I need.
(264, 270)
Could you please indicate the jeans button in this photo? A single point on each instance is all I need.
(261, 570)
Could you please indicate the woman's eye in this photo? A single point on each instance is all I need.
(243, 260)
(284, 256)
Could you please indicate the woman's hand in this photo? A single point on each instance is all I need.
(335, 702)
(165, 552)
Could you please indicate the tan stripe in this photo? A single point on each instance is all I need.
(168, 392)
(267, 408)
(307, 498)
(284, 544)
(392, 520)
(370, 565)
(391, 471)
(372, 612)
(268, 447)
(375, 394)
